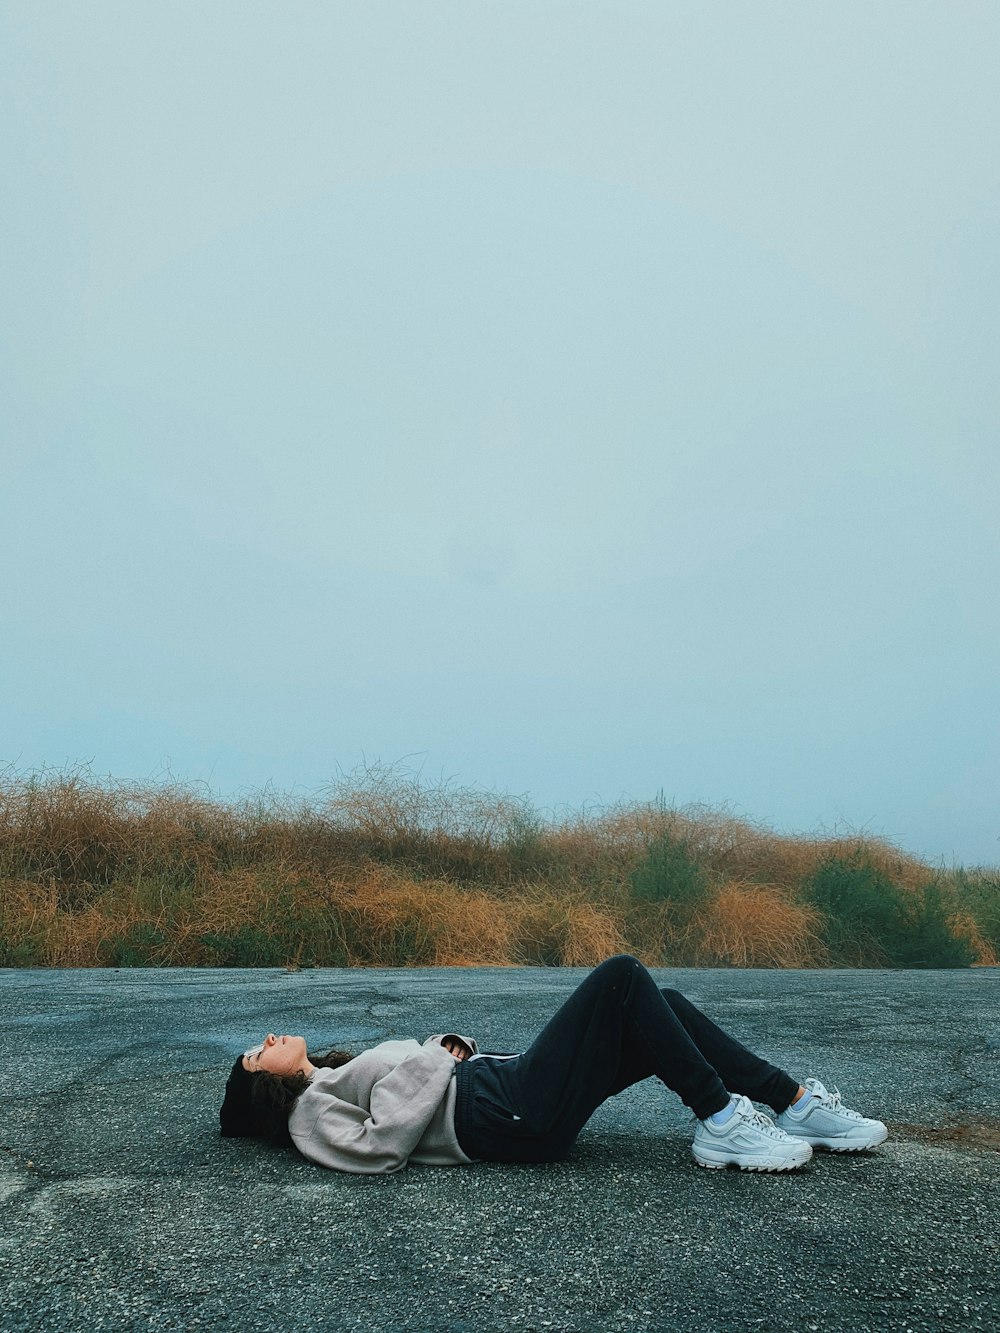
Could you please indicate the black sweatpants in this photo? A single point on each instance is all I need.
(615, 1029)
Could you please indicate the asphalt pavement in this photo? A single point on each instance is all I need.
(121, 1207)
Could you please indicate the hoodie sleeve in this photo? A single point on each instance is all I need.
(379, 1137)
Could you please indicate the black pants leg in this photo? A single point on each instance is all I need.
(615, 1029)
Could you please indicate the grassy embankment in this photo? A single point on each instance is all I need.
(384, 871)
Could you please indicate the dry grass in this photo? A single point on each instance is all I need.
(965, 927)
(760, 925)
(388, 918)
(563, 929)
(382, 869)
(36, 924)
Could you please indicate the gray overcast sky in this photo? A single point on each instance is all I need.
(584, 400)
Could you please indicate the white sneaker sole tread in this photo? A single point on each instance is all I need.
(841, 1145)
(752, 1163)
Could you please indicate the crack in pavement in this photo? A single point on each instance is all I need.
(965, 1080)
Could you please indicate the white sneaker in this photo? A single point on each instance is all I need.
(827, 1123)
(749, 1140)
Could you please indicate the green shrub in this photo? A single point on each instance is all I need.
(292, 936)
(872, 922)
(929, 941)
(978, 893)
(524, 845)
(23, 953)
(669, 890)
(670, 874)
(248, 946)
(393, 939)
(139, 947)
(862, 908)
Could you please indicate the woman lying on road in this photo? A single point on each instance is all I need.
(445, 1104)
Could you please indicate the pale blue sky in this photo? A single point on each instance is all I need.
(584, 400)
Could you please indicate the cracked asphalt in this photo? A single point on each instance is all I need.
(122, 1208)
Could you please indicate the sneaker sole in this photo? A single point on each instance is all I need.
(840, 1145)
(752, 1163)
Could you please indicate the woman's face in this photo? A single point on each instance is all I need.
(278, 1055)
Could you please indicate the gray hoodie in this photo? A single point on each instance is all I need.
(390, 1105)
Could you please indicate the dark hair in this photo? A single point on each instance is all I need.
(257, 1104)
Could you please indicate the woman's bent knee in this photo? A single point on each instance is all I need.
(621, 965)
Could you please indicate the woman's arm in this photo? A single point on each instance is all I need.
(332, 1125)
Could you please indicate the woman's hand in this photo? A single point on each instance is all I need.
(455, 1044)
(457, 1048)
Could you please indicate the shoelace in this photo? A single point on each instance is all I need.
(830, 1099)
(760, 1121)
